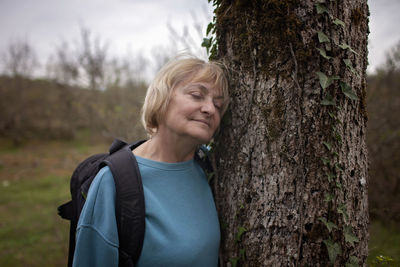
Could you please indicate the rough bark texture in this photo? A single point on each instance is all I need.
(271, 181)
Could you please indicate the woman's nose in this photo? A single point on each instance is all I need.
(208, 107)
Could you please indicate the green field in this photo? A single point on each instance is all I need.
(34, 180)
(384, 241)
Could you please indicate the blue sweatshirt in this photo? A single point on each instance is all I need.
(182, 226)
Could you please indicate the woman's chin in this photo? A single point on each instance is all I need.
(201, 138)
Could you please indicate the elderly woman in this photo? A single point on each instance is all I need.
(182, 110)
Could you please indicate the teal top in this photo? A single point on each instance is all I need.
(182, 226)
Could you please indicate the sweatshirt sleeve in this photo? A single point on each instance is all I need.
(97, 234)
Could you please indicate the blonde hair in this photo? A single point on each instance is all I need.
(179, 71)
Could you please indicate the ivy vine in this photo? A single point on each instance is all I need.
(333, 167)
(210, 41)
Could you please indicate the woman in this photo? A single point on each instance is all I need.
(182, 110)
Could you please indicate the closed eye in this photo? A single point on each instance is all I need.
(218, 106)
(196, 95)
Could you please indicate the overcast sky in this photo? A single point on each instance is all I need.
(140, 26)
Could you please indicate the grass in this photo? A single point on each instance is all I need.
(34, 181)
(384, 241)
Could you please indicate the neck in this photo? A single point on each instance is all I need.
(166, 149)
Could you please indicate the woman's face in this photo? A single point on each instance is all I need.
(193, 112)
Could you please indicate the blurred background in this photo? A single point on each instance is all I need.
(73, 75)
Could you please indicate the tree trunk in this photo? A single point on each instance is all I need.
(291, 187)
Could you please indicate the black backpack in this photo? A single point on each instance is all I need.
(129, 209)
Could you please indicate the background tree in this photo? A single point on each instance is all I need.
(383, 101)
(63, 65)
(19, 59)
(187, 39)
(92, 58)
(60, 106)
(82, 62)
(292, 162)
(19, 62)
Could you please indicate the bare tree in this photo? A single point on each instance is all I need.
(128, 70)
(393, 59)
(187, 39)
(291, 187)
(20, 58)
(64, 66)
(83, 62)
(92, 58)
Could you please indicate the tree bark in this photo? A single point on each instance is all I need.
(290, 158)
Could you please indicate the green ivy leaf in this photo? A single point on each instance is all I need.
(338, 137)
(207, 42)
(328, 47)
(333, 250)
(347, 61)
(329, 197)
(242, 254)
(346, 90)
(325, 161)
(209, 175)
(331, 176)
(324, 80)
(321, 8)
(342, 210)
(327, 145)
(339, 22)
(338, 168)
(210, 27)
(240, 232)
(234, 261)
(213, 52)
(322, 38)
(352, 262)
(336, 134)
(349, 236)
(335, 153)
(332, 115)
(328, 101)
(345, 46)
(328, 224)
(322, 52)
(349, 65)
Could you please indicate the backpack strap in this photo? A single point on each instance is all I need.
(129, 203)
(116, 145)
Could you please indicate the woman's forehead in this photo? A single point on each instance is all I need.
(209, 78)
